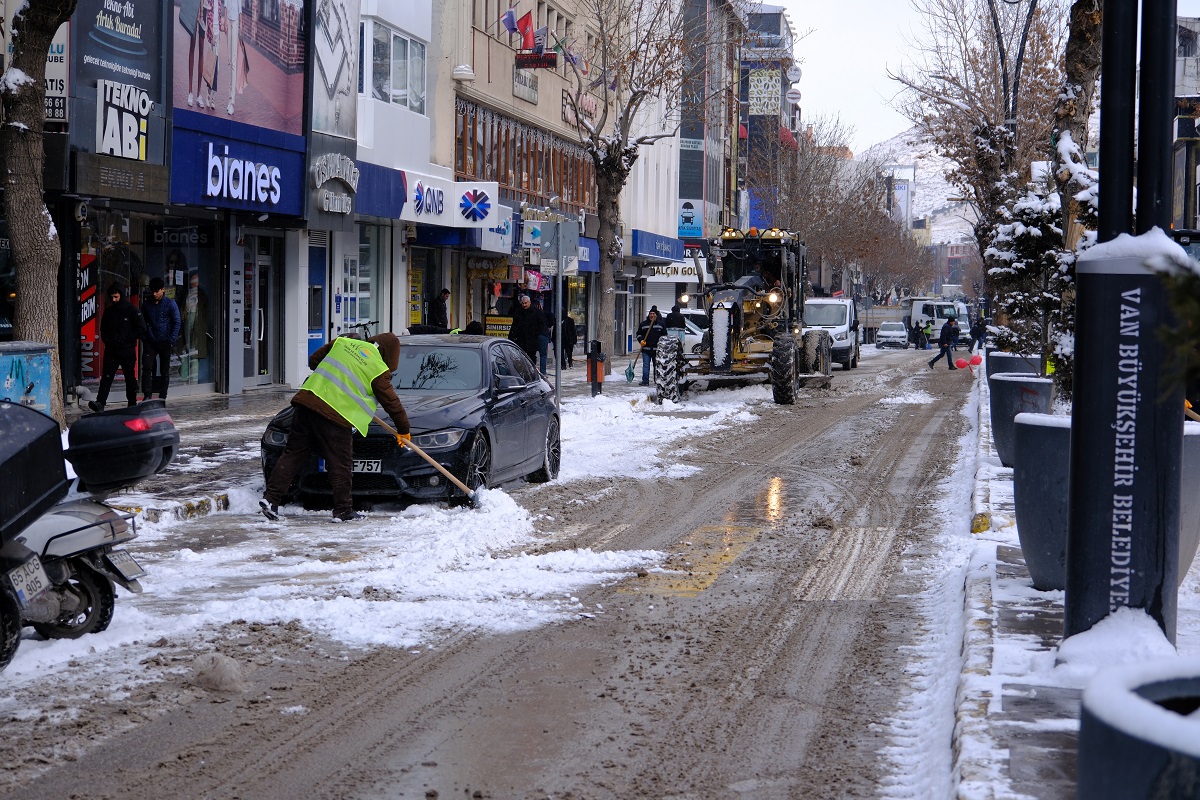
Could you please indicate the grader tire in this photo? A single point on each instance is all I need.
(785, 370)
(666, 369)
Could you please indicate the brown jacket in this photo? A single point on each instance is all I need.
(381, 387)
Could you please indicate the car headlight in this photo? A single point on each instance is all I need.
(449, 437)
(274, 437)
(841, 336)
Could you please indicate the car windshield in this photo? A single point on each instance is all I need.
(433, 368)
(824, 314)
(893, 327)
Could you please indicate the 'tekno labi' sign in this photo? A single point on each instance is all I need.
(122, 119)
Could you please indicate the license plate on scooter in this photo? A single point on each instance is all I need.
(125, 564)
(29, 580)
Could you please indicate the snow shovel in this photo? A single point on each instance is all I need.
(472, 497)
(629, 373)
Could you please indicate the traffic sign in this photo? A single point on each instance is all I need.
(793, 96)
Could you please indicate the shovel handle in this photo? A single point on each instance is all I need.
(433, 462)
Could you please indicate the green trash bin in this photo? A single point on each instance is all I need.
(25, 374)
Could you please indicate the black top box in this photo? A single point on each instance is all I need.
(116, 449)
(32, 475)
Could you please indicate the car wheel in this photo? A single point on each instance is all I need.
(551, 455)
(97, 601)
(479, 463)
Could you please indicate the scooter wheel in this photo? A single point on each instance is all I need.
(97, 600)
(10, 627)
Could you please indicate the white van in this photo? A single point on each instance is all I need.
(938, 310)
(839, 316)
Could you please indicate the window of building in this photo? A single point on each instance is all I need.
(397, 67)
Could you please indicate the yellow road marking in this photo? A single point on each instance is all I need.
(696, 562)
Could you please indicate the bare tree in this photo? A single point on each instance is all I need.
(638, 58)
(982, 88)
(36, 249)
(837, 207)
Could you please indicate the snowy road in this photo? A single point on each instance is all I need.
(724, 598)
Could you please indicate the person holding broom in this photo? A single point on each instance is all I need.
(335, 402)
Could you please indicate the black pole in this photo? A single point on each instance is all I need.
(1118, 64)
(1156, 114)
(1127, 418)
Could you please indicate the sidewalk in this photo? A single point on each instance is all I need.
(1011, 739)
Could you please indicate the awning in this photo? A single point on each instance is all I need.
(788, 140)
(742, 132)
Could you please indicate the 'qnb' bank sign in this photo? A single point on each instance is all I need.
(212, 172)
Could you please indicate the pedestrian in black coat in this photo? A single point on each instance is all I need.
(648, 334)
(121, 328)
(945, 341)
(526, 326)
(439, 316)
(978, 335)
(569, 339)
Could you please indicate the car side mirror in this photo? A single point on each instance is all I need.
(509, 383)
(854, 325)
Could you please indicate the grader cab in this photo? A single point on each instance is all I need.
(755, 312)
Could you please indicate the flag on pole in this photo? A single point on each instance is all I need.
(525, 26)
(509, 20)
(539, 40)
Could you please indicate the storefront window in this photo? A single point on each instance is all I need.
(370, 238)
(132, 249)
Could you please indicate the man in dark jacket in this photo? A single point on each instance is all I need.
(945, 340)
(648, 334)
(121, 328)
(526, 325)
(978, 334)
(349, 376)
(439, 316)
(569, 337)
(162, 329)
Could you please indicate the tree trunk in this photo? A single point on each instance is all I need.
(612, 171)
(36, 249)
(1081, 64)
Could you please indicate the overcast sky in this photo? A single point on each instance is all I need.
(846, 57)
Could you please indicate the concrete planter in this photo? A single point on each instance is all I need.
(1041, 474)
(1189, 500)
(1011, 394)
(1139, 733)
(998, 361)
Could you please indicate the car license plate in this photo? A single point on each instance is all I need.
(125, 564)
(29, 580)
(359, 465)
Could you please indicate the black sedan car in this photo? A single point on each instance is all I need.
(475, 404)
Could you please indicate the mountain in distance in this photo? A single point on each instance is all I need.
(950, 221)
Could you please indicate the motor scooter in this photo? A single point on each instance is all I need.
(60, 553)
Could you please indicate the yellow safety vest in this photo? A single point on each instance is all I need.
(343, 380)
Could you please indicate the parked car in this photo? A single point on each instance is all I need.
(475, 404)
(892, 334)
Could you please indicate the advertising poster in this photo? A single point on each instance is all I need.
(335, 68)
(691, 219)
(241, 60)
(118, 42)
